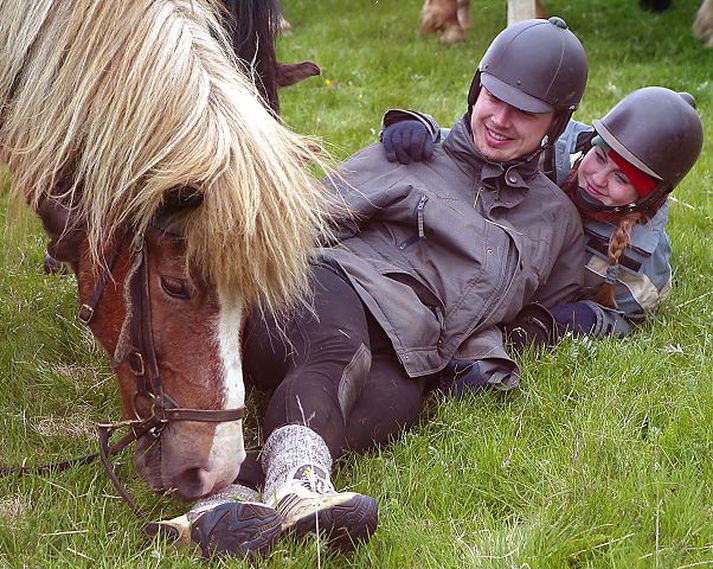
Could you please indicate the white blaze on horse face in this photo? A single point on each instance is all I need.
(228, 450)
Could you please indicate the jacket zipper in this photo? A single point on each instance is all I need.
(420, 224)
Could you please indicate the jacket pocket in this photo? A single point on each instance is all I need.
(419, 224)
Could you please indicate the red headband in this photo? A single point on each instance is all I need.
(642, 182)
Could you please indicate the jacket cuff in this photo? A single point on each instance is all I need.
(392, 116)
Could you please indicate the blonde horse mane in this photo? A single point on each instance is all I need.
(126, 101)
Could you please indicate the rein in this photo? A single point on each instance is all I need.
(141, 358)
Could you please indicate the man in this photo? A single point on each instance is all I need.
(436, 255)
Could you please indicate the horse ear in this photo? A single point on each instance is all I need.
(65, 237)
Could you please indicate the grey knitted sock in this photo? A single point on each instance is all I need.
(288, 448)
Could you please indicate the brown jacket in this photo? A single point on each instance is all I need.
(443, 251)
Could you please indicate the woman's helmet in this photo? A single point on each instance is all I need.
(656, 130)
(535, 66)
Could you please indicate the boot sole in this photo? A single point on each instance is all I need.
(236, 529)
(343, 525)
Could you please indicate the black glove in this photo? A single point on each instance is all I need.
(577, 317)
(406, 141)
(461, 376)
(533, 325)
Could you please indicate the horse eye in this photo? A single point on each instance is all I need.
(177, 288)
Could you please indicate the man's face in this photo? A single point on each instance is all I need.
(501, 132)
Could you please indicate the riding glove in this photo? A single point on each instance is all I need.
(578, 318)
(461, 376)
(406, 141)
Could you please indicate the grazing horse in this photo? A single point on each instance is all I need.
(174, 195)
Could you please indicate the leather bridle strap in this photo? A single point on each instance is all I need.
(138, 430)
(144, 365)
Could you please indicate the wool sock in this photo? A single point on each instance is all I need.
(288, 448)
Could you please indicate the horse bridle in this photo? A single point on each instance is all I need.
(141, 359)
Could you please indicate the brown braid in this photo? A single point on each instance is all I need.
(618, 242)
(606, 295)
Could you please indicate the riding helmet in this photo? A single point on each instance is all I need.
(656, 130)
(535, 66)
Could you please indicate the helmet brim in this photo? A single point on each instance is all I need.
(514, 97)
(621, 150)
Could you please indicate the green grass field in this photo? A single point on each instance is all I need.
(604, 458)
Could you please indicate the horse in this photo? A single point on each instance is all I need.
(452, 17)
(253, 27)
(177, 199)
(703, 26)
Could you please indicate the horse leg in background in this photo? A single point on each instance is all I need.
(283, 26)
(253, 25)
(703, 26)
(519, 10)
(289, 74)
(446, 16)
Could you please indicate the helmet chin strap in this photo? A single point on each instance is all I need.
(589, 204)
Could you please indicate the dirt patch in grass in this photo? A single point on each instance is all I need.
(14, 507)
(75, 425)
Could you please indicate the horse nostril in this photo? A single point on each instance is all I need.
(194, 483)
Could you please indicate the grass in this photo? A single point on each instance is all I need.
(604, 458)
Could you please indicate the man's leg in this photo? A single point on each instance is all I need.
(317, 363)
(390, 401)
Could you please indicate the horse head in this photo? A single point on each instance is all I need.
(102, 118)
(174, 341)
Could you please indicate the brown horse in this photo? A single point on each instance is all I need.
(175, 196)
(452, 17)
(703, 26)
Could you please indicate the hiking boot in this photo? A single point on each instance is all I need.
(231, 523)
(308, 503)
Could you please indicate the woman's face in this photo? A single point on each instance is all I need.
(602, 179)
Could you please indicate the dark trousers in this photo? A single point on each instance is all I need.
(332, 369)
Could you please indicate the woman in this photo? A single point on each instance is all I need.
(626, 165)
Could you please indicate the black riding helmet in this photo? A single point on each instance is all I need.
(535, 66)
(659, 132)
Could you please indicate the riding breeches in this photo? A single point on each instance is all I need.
(331, 368)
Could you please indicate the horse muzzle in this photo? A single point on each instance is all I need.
(191, 460)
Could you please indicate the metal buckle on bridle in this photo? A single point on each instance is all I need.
(85, 315)
(152, 405)
(136, 364)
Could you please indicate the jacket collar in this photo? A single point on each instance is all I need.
(460, 146)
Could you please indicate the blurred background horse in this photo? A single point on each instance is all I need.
(177, 199)
(452, 17)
